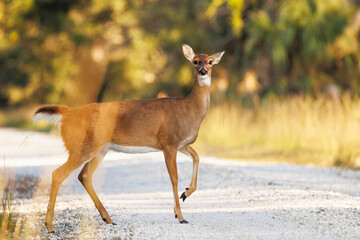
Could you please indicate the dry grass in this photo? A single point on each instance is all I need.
(11, 222)
(296, 129)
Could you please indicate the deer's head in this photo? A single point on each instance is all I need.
(202, 64)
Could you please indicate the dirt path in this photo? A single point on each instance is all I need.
(234, 200)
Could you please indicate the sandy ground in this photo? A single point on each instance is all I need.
(234, 200)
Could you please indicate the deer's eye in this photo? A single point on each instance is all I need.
(195, 62)
(210, 62)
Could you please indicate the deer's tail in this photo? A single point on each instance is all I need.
(52, 114)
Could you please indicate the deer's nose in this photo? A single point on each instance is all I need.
(203, 71)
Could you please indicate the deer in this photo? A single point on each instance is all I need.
(168, 124)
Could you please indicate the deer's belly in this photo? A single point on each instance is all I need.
(131, 149)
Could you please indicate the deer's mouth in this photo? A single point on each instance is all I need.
(203, 71)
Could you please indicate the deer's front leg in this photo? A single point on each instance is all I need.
(170, 160)
(195, 157)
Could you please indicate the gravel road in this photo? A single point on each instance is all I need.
(234, 199)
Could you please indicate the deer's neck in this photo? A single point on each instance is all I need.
(200, 96)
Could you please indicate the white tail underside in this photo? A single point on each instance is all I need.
(52, 118)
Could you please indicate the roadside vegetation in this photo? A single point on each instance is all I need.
(295, 129)
(11, 222)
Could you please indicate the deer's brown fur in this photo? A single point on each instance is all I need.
(165, 124)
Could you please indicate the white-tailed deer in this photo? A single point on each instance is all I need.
(165, 124)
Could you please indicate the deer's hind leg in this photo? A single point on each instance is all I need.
(85, 177)
(58, 176)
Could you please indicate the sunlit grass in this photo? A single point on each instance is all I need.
(295, 129)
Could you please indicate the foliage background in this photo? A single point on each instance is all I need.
(75, 52)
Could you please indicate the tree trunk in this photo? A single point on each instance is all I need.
(85, 84)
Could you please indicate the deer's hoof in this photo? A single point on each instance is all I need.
(49, 228)
(104, 219)
(183, 196)
(183, 221)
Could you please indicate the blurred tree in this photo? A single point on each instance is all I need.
(291, 43)
(296, 41)
(59, 51)
(75, 51)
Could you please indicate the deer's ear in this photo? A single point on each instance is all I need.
(188, 52)
(217, 57)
